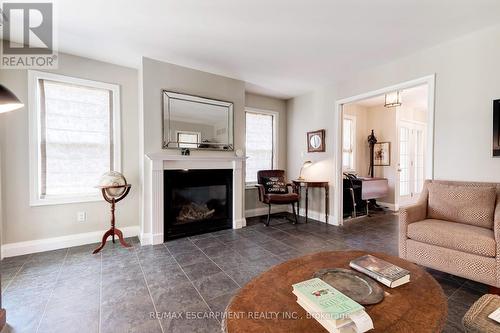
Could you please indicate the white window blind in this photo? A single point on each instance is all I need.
(73, 137)
(260, 144)
(76, 145)
(348, 144)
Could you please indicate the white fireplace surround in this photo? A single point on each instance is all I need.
(161, 161)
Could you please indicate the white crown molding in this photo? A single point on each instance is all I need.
(54, 243)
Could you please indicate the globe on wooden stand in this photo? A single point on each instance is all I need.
(114, 188)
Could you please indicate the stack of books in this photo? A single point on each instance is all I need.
(384, 272)
(336, 312)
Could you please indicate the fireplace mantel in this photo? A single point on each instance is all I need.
(152, 229)
(163, 156)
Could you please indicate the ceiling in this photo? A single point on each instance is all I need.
(281, 48)
(415, 98)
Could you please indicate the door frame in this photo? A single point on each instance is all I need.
(430, 80)
(413, 123)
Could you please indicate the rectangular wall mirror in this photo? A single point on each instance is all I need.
(196, 122)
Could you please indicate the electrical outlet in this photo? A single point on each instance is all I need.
(81, 216)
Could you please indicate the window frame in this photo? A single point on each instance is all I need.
(275, 159)
(35, 135)
(352, 118)
(179, 143)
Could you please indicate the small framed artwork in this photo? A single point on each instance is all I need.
(316, 141)
(382, 154)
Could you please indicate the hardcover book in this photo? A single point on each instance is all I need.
(381, 270)
(325, 299)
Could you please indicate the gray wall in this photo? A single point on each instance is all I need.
(22, 222)
(157, 75)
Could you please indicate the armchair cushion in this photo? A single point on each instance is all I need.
(275, 185)
(455, 236)
(464, 204)
(281, 198)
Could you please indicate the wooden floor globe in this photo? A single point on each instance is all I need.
(114, 187)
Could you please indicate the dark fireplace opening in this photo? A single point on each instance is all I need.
(197, 201)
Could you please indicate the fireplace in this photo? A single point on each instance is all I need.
(197, 201)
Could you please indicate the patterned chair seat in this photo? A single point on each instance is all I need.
(455, 236)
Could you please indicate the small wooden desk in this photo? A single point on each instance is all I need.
(307, 184)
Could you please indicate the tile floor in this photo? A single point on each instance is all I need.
(120, 290)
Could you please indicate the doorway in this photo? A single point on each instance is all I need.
(411, 173)
(406, 147)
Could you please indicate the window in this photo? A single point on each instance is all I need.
(74, 137)
(260, 143)
(349, 143)
(188, 139)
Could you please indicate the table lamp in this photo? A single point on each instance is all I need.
(8, 102)
(306, 165)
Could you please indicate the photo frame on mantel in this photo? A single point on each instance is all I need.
(316, 141)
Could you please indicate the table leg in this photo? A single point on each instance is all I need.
(307, 200)
(298, 202)
(327, 190)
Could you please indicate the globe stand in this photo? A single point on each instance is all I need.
(113, 231)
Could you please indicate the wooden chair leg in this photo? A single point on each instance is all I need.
(268, 215)
(294, 214)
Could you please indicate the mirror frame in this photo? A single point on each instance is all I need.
(167, 95)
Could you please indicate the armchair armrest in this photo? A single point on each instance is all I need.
(261, 192)
(413, 213)
(408, 215)
(294, 187)
(496, 233)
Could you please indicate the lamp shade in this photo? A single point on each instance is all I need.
(8, 101)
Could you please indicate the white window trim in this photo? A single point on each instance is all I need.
(34, 135)
(276, 119)
(354, 143)
(198, 134)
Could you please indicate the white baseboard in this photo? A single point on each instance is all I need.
(315, 215)
(263, 210)
(156, 239)
(145, 239)
(240, 223)
(48, 244)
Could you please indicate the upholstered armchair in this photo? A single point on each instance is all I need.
(290, 198)
(454, 228)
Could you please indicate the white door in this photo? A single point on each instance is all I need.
(411, 167)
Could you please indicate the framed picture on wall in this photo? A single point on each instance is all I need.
(382, 154)
(316, 141)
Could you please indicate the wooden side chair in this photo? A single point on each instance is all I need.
(274, 190)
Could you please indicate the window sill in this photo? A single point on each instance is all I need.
(65, 200)
(250, 186)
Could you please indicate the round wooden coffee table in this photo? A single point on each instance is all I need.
(266, 304)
